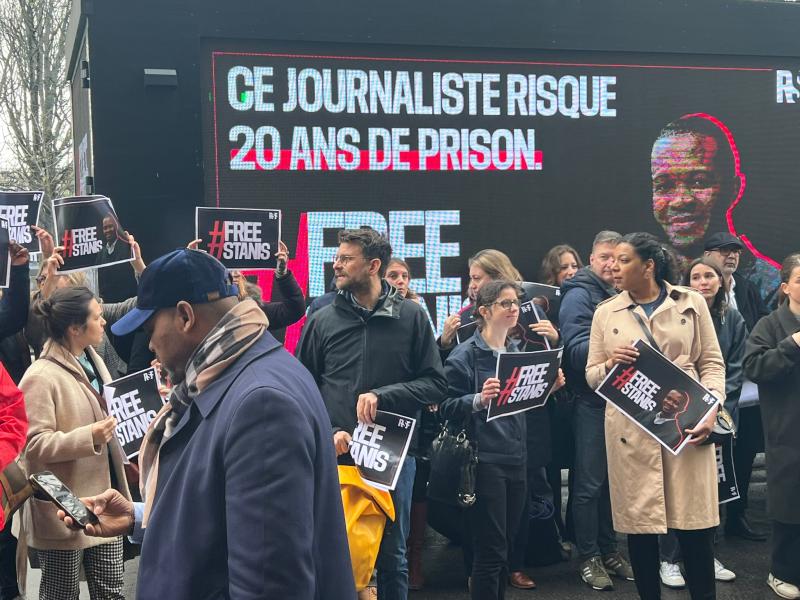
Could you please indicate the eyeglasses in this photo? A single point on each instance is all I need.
(344, 259)
(507, 304)
(729, 251)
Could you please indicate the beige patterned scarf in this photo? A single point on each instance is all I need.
(240, 328)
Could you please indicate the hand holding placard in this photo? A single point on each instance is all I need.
(103, 431)
(703, 429)
(490, 391)
(623, 355)
(367, 408)
(341, 441)
(451, 323)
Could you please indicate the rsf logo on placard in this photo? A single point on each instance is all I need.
(787, 91)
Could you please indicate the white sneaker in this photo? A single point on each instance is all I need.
(671, 575)
(721, 573)
(784, 589)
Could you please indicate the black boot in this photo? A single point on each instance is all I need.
(738, 525)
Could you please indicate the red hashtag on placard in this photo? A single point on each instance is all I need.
(511, 383)
(66, 242)
(217, 239)
(624, 377)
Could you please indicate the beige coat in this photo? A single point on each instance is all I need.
(651, 489)
(61, 412)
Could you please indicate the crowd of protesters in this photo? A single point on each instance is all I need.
(247, 453)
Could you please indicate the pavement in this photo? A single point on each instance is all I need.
(445, 579)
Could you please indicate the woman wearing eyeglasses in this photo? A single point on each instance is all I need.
(652, 490)
(500, 484)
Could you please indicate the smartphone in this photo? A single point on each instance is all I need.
(59, 494)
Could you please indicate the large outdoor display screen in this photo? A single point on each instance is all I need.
(453, 150)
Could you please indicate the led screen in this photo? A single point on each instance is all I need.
(453, 150)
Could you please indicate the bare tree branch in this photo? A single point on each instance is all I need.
(34, 97)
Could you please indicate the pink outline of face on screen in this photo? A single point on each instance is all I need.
(696, 180)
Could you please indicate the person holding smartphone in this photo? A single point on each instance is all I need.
(71, 435)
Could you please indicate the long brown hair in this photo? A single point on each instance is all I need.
(551, 263)
(790, 263)
(720, 303)
(410, 294)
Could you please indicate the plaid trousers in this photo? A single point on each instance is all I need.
(61, 572)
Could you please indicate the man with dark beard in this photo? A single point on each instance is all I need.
(371, 349)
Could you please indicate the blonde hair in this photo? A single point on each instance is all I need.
(496, 265)
(76, 278)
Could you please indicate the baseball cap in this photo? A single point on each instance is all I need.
(721, 240)
(193, 276)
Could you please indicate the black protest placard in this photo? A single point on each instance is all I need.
(380, 449)
(88, 229)
(21, 210)
(527, 317)
(5, 255)
(548, 297)
(134, 401)
(727, 486)
(526, 380)
(658, 396)
(465, 332)
(240, 238)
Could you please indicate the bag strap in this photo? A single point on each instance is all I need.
(100, 400)
(644, 327)
(466, 425)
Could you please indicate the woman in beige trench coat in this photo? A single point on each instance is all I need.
(71, 435)
(652, 490)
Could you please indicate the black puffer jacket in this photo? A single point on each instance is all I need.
(391, 353)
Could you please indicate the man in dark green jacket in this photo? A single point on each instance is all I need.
(372, 349)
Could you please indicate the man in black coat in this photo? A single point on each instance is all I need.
(726, 249)
(371, 349)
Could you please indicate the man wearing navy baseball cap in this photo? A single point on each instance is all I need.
(726, 250)
(239, 458)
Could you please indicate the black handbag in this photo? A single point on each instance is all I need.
(454, 462)
(453, 465)
(724, 425)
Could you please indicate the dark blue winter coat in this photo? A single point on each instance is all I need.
(580, 296)
(248, 503)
